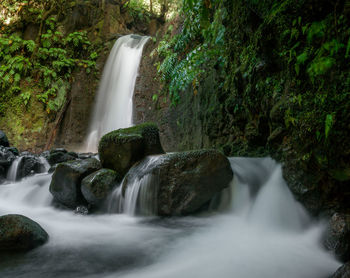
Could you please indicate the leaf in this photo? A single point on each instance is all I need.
(328, 124)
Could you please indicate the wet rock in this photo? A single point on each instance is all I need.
(66, 181)
(2, 174)
(52, 168)
(342, 272)
(73, 154)
(184, 182)
(83, 210)
(120, 149)
(6, 157)
(19, 233)
(338, 235)
(96, 186)
(86, 155)
(3, 139)
(60, 155)
(13, 150)
(29, 165)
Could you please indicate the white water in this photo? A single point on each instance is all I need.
(113, 108)
(12, 172)
(264, 233)
(140, 194)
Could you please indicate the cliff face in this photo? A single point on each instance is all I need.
(272, 102)
(31, 126)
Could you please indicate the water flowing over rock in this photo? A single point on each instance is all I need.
(26, 165)
(19, 233)
(3, 139)
(66, 181)
(120, 149)
(96, 186)
(174, 184)
(113, 107)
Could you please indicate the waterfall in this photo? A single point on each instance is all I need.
(137, 193)
(13, 171)
(113, 107)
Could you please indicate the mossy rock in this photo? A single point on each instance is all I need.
(96, 186)
(19, 233)
(66, 181)
(120, 149)
(59, 155)
(184, 182)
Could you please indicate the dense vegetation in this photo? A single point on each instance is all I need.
(280, 69)
(282, 81)
(42, 67)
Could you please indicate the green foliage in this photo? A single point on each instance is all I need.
(48, 64)
(199, 47)
(25, 97)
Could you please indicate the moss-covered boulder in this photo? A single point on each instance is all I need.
(60, 155)
(121, 148)
(96, 186)
(19, 233)
(3, 139)
(182, 182)
(66, 181)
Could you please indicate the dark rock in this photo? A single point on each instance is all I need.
(86, 155)
(73, 154)
(82, 210)
(6, 157)
(342, 272)
(58, 150)
(13, 150)
(3, 139)
(19, 233)
(96, 186)
(121, 148)
(66, 181)
(60, 155)
(52, 168)
(29, 165)
(338, 235)
(2, 174)
(184, 182)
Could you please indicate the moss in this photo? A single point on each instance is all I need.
(130, 134)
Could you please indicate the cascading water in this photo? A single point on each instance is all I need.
(138, 191)
(263, 233)
(113, 108)
(12, 172)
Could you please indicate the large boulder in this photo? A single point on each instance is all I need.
(60, 155)
(338, 235)
(342, 272)
(19, 233)
(66, 181)
(96, 186)
(29, 165)
(182, 182)
(120, 149)
(3, 139)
